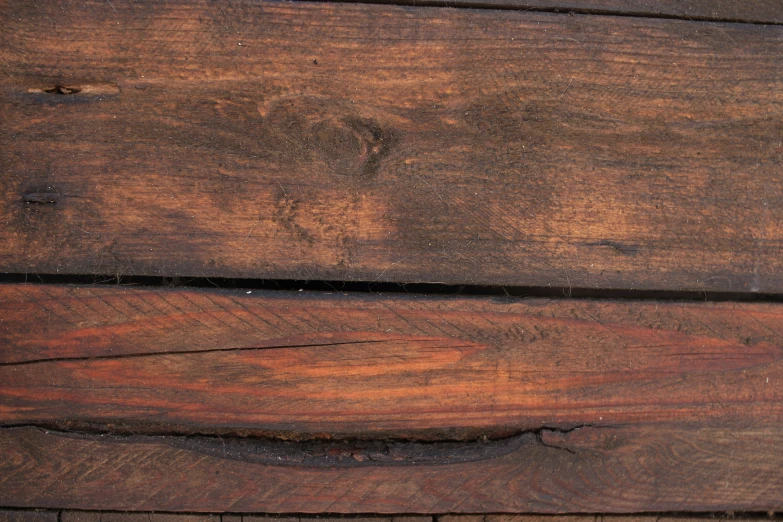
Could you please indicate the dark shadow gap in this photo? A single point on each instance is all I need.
(431, 289)
(431, 447)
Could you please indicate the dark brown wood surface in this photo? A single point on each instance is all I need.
(624, 469)
(65, 515)
(288, 400)
(28, 516)
(103, 516)
(754, 11)
(357, 142)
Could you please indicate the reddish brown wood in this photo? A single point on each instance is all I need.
(302, 364)
(617, 406)
(593, 469)
(355, 142)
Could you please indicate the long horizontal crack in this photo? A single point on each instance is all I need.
(196, 351)
(319, 453)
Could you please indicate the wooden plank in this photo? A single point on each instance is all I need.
(356, 142)
(530, 518)
(288, 401)
(624, 469)
(757, 11)
(113, 516)
(666, 517)
(99, 516)
(27, 516)
(300, 365)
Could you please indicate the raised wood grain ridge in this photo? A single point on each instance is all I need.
(502, 405)
(357, 142)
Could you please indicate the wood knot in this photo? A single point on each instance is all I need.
(329, 131)
(353, 146)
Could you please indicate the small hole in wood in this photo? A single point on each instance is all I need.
(62, 89)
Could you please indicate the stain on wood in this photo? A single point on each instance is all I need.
(358, 142)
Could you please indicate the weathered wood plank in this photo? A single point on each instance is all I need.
(356, 142)
(756, 11)
(138, 516)
(105, 516)
(621, 469)
(27, 516)
(101, 516)
(302, 364)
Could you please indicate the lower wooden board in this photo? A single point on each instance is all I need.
(239, 401)
(588, 470)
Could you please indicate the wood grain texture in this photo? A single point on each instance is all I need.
(288, 399)
(140, 516)
(27, 516)
(104, 516)
(303, 365)
(754, 11)
(356, 142)
(98, 516)
(627, 469)
(664, 517)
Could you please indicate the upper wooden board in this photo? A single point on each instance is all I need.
(359, 142)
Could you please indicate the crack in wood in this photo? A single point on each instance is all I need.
(41, 198)
(327, 453)
(205, 350)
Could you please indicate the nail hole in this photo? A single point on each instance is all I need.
(62, 89)
(41, 198)
(82, 89)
